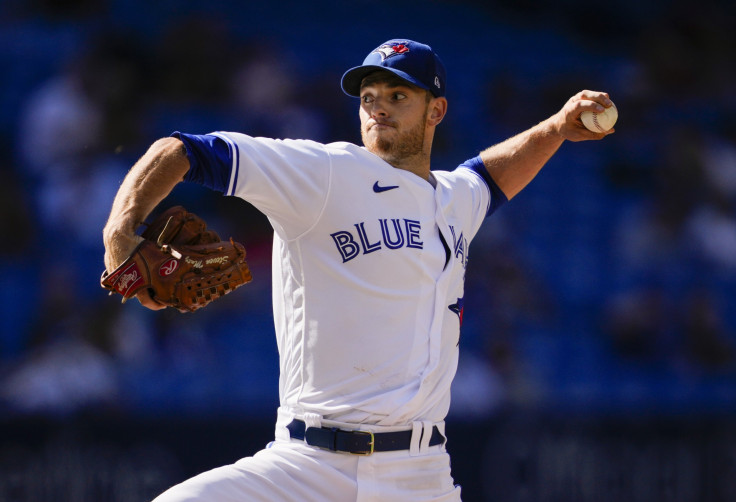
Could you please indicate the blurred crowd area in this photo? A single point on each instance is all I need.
(607, 287)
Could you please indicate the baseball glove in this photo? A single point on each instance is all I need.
(181, 263)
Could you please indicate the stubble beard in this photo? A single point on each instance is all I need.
(399, 149)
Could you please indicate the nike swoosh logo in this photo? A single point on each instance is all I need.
(378, 189)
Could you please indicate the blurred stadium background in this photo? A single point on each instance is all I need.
(598, 356)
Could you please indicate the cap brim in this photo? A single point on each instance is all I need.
(352, 78)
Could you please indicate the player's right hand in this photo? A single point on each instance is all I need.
(568, 121)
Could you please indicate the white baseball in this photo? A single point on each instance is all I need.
(600, 122)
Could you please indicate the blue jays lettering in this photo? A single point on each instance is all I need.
(395, 233)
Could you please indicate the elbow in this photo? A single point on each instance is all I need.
(170, 147)
(171, 152)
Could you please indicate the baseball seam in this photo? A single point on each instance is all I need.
(595, 122)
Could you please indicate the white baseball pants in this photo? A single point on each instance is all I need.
(291, 471)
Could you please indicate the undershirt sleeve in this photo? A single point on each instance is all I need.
(210, 160)
(498, 198)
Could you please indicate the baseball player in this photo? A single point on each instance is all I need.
(369, 255)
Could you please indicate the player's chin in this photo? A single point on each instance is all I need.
(377, 142)
(381, 148)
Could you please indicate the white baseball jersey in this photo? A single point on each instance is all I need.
(369, 264)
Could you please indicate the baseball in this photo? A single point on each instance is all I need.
(600, 122)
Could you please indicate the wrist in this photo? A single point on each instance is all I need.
(554, 126)
(119, 244)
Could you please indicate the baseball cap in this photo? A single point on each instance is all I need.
(412, 61)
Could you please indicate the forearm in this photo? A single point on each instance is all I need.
(515, 162)
(149, 181)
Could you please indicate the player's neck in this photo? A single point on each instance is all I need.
(420, 167)
(417, 163)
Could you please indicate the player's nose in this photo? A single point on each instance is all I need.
(378, 108)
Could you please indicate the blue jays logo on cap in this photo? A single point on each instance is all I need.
(386, 51)
(412, 61)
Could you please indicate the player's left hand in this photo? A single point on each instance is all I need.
(567, 120)
(178, 263)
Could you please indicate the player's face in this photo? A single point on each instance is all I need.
(393, 120)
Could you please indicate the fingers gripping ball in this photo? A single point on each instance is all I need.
(600, 122)
(181, 263)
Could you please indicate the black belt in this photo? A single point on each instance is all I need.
(356, 442)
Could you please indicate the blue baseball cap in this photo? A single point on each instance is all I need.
(412, 61)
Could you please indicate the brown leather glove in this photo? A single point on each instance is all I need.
(181, 263)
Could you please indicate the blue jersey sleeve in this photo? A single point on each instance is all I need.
(210, 160)
(498, 198)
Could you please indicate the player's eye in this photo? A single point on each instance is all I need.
(398, 96)
(366, 98)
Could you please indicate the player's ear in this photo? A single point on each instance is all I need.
(437, 110)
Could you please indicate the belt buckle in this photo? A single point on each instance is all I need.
(372, 443)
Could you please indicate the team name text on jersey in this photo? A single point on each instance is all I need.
(395, 234)
(460, 243)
